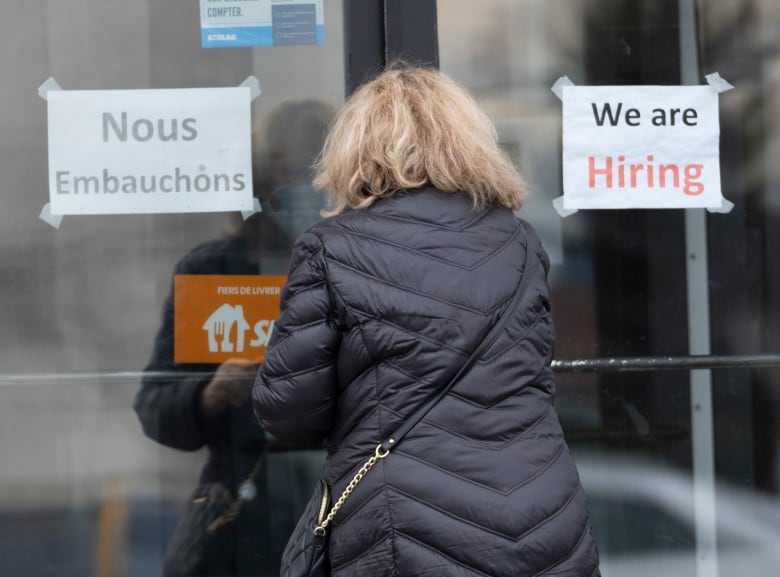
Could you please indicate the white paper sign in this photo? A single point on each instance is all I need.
(640, 147)
(150, 151)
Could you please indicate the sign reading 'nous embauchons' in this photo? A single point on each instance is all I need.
(149, 151)
(640, 147)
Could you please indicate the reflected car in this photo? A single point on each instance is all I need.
(645, 525)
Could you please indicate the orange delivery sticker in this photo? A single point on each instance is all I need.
(218, 317)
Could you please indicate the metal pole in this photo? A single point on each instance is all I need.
(637, 364)
(699, 337)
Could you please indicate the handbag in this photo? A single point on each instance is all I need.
(306, 553)
(202, 542)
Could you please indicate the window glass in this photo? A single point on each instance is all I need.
(104, 431)
(627, 283)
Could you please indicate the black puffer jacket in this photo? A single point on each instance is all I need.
(381, 307)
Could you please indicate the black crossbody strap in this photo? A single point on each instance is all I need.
(392, 441)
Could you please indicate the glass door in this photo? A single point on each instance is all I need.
(110, 417)
(667, 341)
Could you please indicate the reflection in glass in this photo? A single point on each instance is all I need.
(619, 277)
(190, 405)
(82, 491)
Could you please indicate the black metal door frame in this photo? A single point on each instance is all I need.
(378, 32)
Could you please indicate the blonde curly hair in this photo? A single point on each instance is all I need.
(411, 127)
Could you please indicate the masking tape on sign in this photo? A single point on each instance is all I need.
(54, 220)
(725, 206)
(718, 83)
(49, 84)
(558, 206)
(245, 214)
(557, 88)
(254, 86)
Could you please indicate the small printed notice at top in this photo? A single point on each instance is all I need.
(640, 147)
(230, 23)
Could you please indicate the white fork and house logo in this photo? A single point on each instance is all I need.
(226, 330)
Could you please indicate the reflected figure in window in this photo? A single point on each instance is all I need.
(190, 405)
(384, 302)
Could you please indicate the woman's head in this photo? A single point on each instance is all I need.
(412, 127)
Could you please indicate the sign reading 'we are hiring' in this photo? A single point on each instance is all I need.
(641, 147)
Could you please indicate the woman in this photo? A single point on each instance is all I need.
(187, 406)
(384, 301)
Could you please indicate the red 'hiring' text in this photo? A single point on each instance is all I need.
(645, 175)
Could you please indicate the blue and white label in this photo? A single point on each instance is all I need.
(232, 23)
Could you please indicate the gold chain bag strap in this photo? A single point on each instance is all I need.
(324, 520)
(306, 554)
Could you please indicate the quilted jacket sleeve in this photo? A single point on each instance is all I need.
(295, 391)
